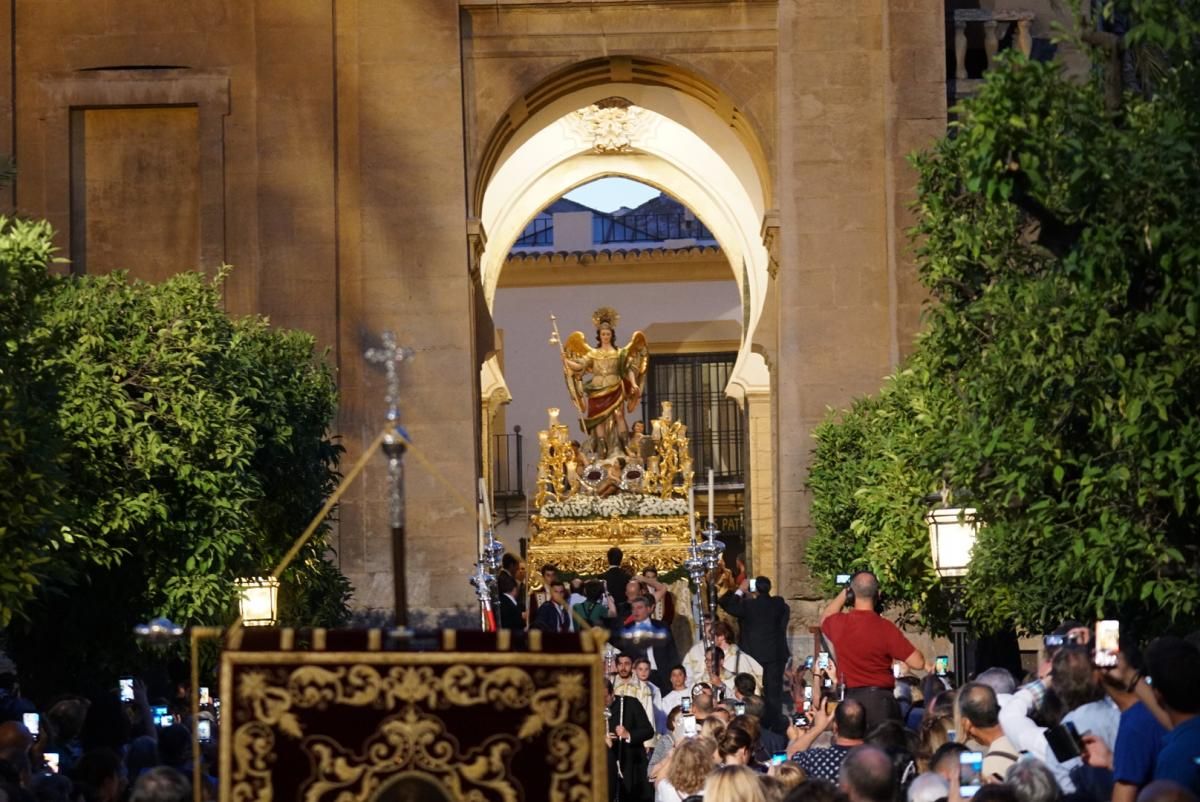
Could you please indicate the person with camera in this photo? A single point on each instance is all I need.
(866, 644)
(596, 607)
(849, 731)
(763, 636)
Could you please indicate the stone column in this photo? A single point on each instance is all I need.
(403, 265)
(760, 473)
(850, 103)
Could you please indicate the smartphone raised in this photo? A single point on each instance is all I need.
(204, 730)
(897, 670)
(51, 761)
(32, 722)
(754, 586)
(778, 758)
(1064, 741)
(126, 686)
(205, 699)
(808, 696)
(162, 716)
(842, 579)
(685, 705)
(822, 661)
(802, 721)
(689, 726)
(739, 708)
(970, 773)
(1108, 642)
(941, 665)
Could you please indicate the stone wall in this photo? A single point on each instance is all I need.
(860, 83)
(338, 146)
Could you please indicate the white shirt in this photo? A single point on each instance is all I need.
(665, 792)
(674, 699)
(1020, 728)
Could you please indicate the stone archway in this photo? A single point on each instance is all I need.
(673, 130)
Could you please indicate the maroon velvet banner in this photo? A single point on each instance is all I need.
(365, 715)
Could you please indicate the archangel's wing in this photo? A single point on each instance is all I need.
(576, 346)
(636, 358)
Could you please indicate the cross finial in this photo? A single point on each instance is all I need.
(390, 355)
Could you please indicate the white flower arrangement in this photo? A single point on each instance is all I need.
(622, 505)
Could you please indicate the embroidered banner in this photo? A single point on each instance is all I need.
(360, 716)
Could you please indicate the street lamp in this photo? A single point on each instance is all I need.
(952, 533)
(258, 601)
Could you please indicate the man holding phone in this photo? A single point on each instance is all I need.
(1076, 682)
(866, 644)
(764, 622)
(849, 731)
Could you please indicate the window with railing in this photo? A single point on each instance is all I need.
(695, 386)
(653, 227)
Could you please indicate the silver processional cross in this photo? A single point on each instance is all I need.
(390, 356)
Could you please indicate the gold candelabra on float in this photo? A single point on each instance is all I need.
(672, 457)
(667, 473)
(556, 462)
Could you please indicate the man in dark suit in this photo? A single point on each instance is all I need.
(510, 610)
(627, 729)
(616, 578)
(764, 622)
(552, 615)
(660, 650)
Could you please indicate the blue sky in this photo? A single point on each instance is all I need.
(607, 194)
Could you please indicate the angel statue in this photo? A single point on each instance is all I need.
(614, 386)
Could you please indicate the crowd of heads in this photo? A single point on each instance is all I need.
(993, 738)
(100, 749)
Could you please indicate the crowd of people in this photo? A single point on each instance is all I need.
(736, 718)
(869, 719)
(102, 749)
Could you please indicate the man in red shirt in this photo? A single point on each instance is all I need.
(865, 645)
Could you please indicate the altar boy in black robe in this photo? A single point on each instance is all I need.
(628, 765)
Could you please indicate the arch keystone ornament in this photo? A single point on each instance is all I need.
(611, 125)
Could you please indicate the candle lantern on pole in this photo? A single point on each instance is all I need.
(258, 601)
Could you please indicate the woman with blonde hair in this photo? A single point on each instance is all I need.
(691, 762)
(935, 731)
(788, 773)
(734, 784)
(712, 727)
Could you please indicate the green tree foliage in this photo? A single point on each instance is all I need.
(193, 450)
(1058, 378)
(30, 471)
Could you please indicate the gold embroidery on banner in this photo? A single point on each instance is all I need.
(554, 698)
(410, 742)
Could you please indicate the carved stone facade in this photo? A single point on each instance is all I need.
(341, 151)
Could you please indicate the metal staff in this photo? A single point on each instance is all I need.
(555, 339)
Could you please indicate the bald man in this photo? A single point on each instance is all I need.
(867, 775)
